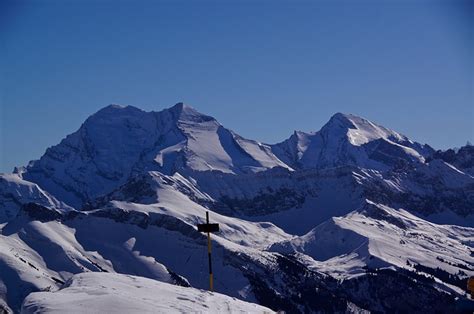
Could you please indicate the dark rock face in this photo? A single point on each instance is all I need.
(431, 195)
(297, 289)
(265, 202)
(401, 291)
(144, 220)
(463, 159)
(177, 279)
(41, 213)
(293, 288)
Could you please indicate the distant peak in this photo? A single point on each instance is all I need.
(359, 130)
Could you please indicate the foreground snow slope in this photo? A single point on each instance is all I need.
(115, 293)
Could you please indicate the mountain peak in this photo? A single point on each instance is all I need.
(347, 139)
(180, 106)
(185, 113)
(359, 130)
(347, 120)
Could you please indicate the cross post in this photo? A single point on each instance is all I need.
(208, 228)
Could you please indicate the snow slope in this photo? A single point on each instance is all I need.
(115, 293)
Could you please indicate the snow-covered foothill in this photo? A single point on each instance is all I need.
(379, 236)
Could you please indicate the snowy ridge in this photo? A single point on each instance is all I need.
(177, 197)
(213, 147)
(145, 188)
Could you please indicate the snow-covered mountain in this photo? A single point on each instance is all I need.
(118, 141)
(349, 140)
(349, 218)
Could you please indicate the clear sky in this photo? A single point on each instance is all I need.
(261, 68)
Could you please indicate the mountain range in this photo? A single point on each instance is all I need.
(352, 218)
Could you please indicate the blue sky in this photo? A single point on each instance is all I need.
(262, 68)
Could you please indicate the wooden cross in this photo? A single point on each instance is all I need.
(209, 228)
